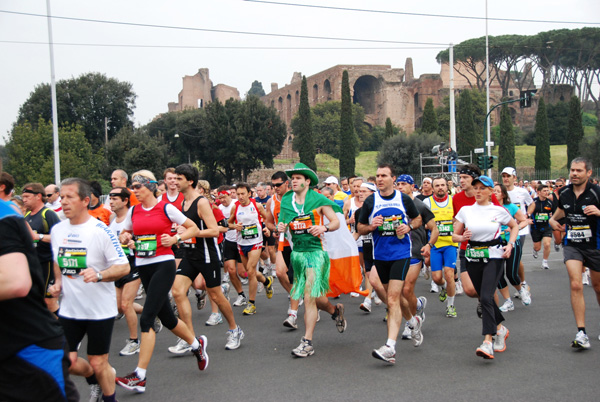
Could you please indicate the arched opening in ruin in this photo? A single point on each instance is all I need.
(280, 105)
(315, 94)
(289, 108)
(272, 103)
(367, 93)
(327, 89)
(297, 98)
(513, 115)
(417, 110)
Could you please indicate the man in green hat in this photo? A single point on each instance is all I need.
(303, 213)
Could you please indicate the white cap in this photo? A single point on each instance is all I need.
(331, 179)
(370, 186)
(509, 170)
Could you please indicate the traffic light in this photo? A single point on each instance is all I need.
(526, 98)
(482, 162)
(491, 162)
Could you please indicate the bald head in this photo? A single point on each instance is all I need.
(118, 178)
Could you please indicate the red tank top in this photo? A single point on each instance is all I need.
(178, 201)
(148, 227)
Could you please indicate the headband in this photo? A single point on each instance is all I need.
(469, 172)
(369, 186)
(405, 178)
(224, 193)
(146, 182)
(30, 191)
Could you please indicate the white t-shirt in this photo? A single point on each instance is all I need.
(174, 215)
(231, 234)
(117, 228)
(521, 198)
(485, 223)
(88, 245)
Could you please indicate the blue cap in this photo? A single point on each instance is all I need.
(485, 180)
(406, 178)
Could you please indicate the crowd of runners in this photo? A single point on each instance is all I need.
(74, 261)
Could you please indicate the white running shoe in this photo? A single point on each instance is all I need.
(535, 254)
(581, 341)
(225, 289)
(434, 287)
(354, 294)
(234, 338)
(556, 247)
(545, 265)
(131, 348)
(416, 334)
(500, 339)
(375, 298)
(508, 305)
(406, 332)
(366, 305)
(157, 326)
(305, 348)
(459, 288)
(421, 311)
(225, 277)
(140, 293)
(385, 353)
(525, 296)
(214, 319)
(585, 277)
(291, 322)
(95, 393)
(486, 350)
(244, 281)
(260, 287)
(240, 301)
(181, 348)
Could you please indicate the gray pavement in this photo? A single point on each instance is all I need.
(538, 364)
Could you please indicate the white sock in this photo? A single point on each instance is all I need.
(141, 373)
(294, 313)
(450, 301)
(195, 345)
(508, 299)
(545, 261)
(444, 285)
(391, 343)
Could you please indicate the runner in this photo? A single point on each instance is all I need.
(268, 255)
(118, 178)
(479, 226)
(351, 205)
(247, 220)
(338, 195)
(444, 252)
(579, 203)
(53, 200)
(541, 211)
(304, 210)
(426, 189)
(87, 260)
(150, 223)
(386, 214)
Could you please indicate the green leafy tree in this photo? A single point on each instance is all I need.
(575, 130)
(430, 123)
(86, 100)
(402, 152)
(478, 107)
(304, 142)
(347, 136)
(30, 153)
(467, 138)
(506, 140)
(389, 128)
(542, 138)
(256, 89)
(558, 122)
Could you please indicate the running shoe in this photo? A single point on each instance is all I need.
(225, 277)
(157, 326)
(201, 354)
(234, 338)
(406, 333)
(214, 319)
(354, 294)
(535, 254)
(305, 348)
(240, 301)
(479, 310)
(340, 321)
(95, 393)
(585, 277)
(421, 311)
(525, 296)
(385, 353)
(500, 339)
(443, 294)
(508, 305)
(244, 281)
(291, 322)
(517, 295)
(386, 315)
(434, 287)
(225, 288)
(201, 300)
(250, 309)
(375, 298)
(119, 316)
(545, 265)
(459, 288)
(131, 348)
(140, 293)
(451, 312)
(426, 271)
(416, 334)
(269, 287)
(132, 382)
(180, 348)
(260, 287)
(556, 247)
(581, 341)
(486, 350)
(318, 315)
(366, 305)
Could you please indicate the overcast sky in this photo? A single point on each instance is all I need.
(154, 59)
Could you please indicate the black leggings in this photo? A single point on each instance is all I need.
(512, 267)
(157, 279)
(485, 276)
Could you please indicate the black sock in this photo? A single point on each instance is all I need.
(335, 314)
(241, 294)
(110, 398)
(134, 340)
(581, 329)
(251, 301)
(91, 380)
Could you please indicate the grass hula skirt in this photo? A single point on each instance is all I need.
(318, 262)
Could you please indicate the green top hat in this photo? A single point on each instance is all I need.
(305, 171)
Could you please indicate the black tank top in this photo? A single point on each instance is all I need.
(204, 249)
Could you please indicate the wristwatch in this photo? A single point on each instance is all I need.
(178, 238)
(41, 237)
(411, 226)
(512, 243)
(327, 228)
(99, 276)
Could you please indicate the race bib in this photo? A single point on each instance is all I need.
(579, 233)
(189, 243)
(250, 232)
(446, 228)
(542, 217)
(174, 228)
(71, 260)
(390, 223)
(301, 224)
(145, 246)
(477, 253)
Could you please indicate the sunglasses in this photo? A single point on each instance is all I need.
(278, 184)
(136, 186)
(49, 195)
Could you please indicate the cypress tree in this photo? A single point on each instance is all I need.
(304, 142)
(430, 123)
(575, 130)
(467, 138)
(347, 136)
(506, 142)
(389, 128)
(542, 138)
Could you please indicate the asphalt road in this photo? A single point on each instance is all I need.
(538, 364)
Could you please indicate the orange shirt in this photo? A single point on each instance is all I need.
(101, 214)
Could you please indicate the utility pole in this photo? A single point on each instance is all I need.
(53, 92)
(452, 117)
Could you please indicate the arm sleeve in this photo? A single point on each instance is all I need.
(175, 215)
(366, 209)
(409, 205)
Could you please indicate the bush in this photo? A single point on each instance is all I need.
(403, 152)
